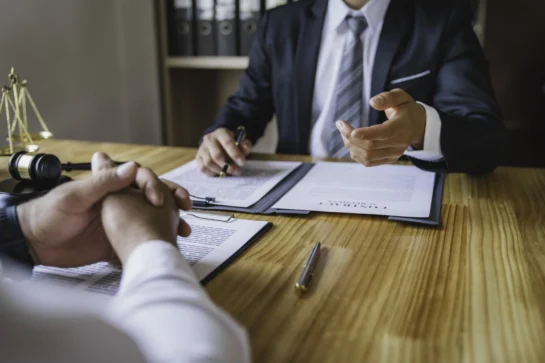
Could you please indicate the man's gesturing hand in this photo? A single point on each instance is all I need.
(385, 143)
(217, 148)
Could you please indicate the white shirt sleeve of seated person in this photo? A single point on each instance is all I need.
(164, 308)
(432, 138)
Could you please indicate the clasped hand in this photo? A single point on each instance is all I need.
(100, 218)
(386, 143)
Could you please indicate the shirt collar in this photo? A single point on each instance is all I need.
(374, 12)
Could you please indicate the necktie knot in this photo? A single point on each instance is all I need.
(357, 24)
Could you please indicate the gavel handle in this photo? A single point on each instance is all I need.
(84, 166)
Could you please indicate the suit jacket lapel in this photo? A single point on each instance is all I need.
(306, 59)
(394, 28)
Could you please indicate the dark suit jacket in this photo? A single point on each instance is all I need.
(417, 35)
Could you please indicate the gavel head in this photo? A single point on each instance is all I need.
(39, 167)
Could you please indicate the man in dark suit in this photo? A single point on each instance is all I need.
(316, 63)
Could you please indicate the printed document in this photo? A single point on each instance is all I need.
(211, 244)
(257, 179)
(391, 190)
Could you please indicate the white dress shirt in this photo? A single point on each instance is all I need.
(160, 314)
(329, 62)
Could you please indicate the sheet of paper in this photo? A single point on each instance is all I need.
(211, 243)
(100, 278)
(392, 190)
(257, 179)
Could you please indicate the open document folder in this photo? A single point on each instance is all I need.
(402, 192)
(214, 242)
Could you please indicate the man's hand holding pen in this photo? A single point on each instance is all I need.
(218, 148)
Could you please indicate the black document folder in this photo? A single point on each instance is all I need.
(225, 26)
(205, 27)
(235, 255)
(180, 25)
(264, 205)
(249, 14)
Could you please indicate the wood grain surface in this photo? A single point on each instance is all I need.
(472, 290)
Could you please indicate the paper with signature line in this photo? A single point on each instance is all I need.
(392, 190)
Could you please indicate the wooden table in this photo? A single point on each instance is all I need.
(472, 290)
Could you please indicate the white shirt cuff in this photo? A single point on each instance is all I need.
(152, 259)
(432, 137)
(166, 311)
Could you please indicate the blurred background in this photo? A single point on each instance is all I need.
(92, 65)
(134, 71)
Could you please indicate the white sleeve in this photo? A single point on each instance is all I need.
(432, 137)
(45, 323)
(161, 314)
(163, 307)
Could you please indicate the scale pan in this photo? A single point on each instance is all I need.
(42, 135)
(4, 151)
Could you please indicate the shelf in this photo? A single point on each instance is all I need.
(214, 62)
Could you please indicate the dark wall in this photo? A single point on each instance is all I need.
(515, 47)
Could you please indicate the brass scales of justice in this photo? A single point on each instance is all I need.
(14, 105)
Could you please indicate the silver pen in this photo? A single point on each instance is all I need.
(303, 282)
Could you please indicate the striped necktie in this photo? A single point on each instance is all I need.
(349, 88)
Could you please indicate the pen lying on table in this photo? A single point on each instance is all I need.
(302, 284)
(239, 137)
(86, 166)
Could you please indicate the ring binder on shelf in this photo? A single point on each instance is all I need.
(225, 20)
(249, 15)
(206, 39)
(181, 27)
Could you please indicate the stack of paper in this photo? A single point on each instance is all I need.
(213, 243)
